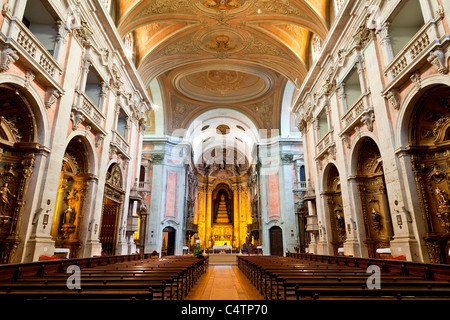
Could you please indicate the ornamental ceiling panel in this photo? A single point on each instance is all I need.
(234, 53)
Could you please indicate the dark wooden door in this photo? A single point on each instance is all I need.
(108, 229)
(170, 240)
(276, 241)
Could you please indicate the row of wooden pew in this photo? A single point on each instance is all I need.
(292, 278)
(168, 278)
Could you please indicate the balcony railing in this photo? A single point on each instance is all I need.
(120, 142)
(430, 35)
(300, 185)
(143, 186)
(324, 142)
(30, 47)
(91, 111)
(354, 112)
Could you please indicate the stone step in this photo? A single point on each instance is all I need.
(219, 258)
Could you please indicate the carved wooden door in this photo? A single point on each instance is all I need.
(108, 229)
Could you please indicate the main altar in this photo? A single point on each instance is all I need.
(223, 216)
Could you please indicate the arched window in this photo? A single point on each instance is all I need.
(128, 43)
(142, 174)
(302, 173)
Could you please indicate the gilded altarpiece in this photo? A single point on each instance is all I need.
(17, 158)
(224, 214)
(335, 210)
(69, 209)
(430, 157)
(373, 197)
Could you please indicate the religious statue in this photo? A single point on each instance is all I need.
(68, 215)
(340, 225)
(441, 196)
(5, 195)
(376, 220)
(72, 197)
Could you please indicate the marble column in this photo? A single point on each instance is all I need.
(154, 233)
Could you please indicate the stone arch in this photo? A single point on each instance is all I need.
(71, 209)
(367, 168)
(428, 145)
(355, 148)
(21, 123)
(35, 103)
(334, 206)
(328, 165)
(408, 103)
(89, 143)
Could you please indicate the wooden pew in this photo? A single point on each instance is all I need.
(313, 279)
(290, 283)
(352, 292)
(88, 291)
(125, 279)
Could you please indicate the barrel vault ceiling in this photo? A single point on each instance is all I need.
(210, 54)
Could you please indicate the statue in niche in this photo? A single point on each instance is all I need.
(441, 196)
(5, 195)
(68, 216)
(72, 197)
(376, 220)
(340, 225)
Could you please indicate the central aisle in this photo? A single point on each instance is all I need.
(224, 282)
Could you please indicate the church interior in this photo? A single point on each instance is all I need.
(224, 149)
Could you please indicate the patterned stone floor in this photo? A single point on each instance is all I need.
(224, 282)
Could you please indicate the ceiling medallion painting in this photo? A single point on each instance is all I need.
(221, 41)
(223, 4)
(226, 84)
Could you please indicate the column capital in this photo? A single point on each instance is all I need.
(287, 158)
(157, 158)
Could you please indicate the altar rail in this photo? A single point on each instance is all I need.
(426, 270)
(13, 272)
